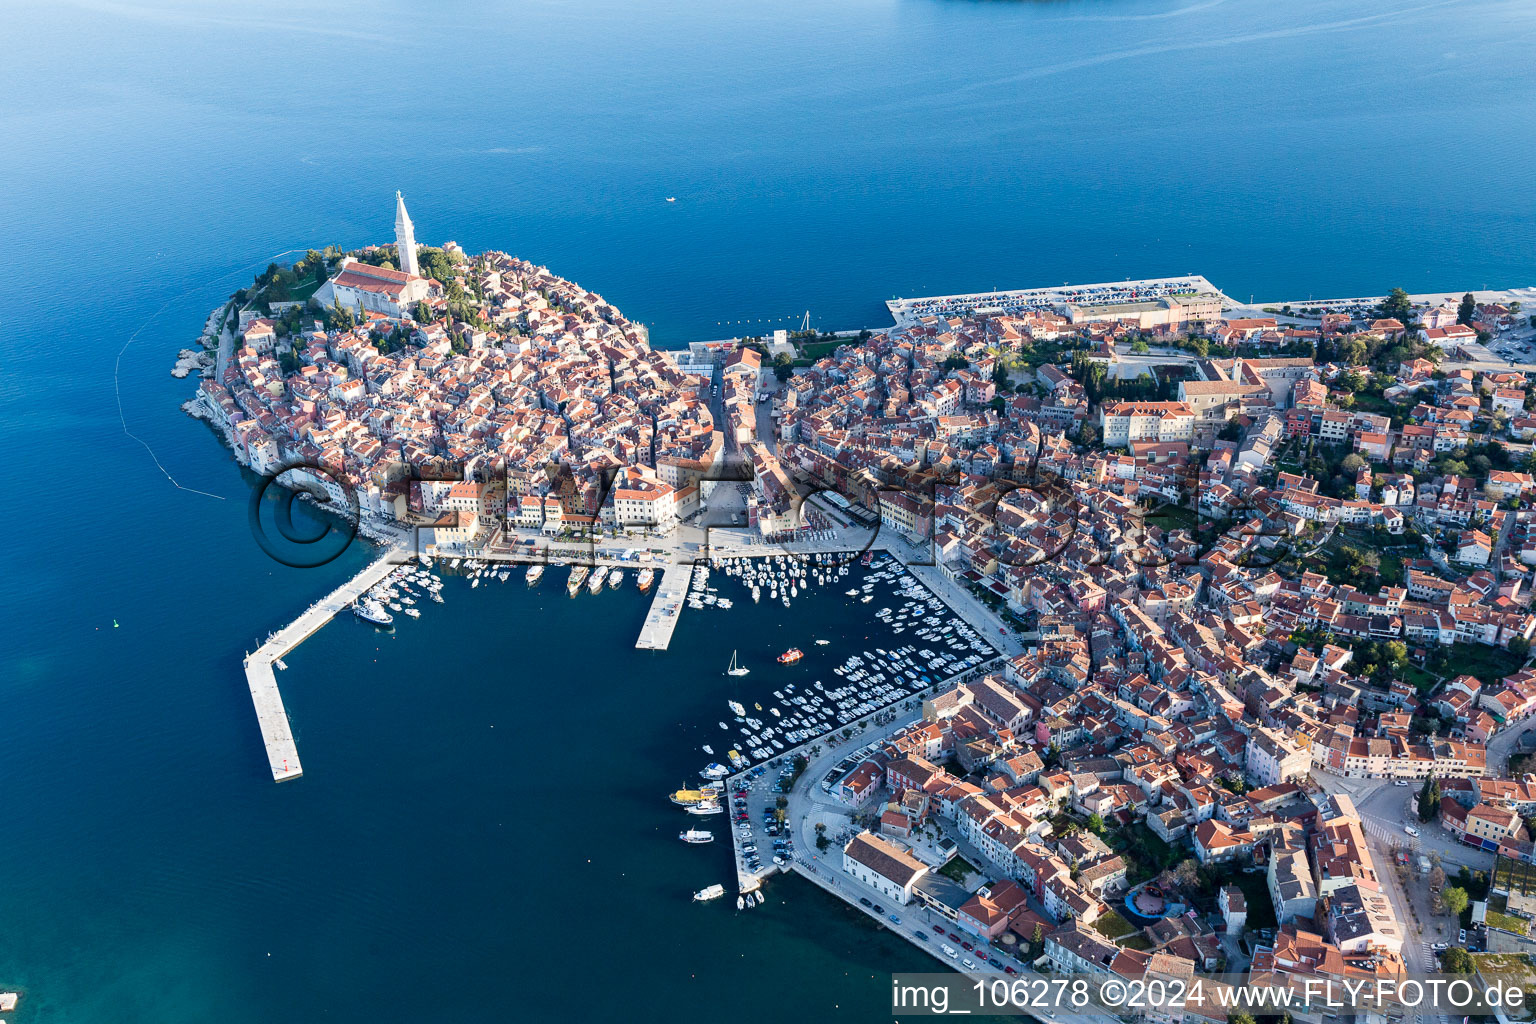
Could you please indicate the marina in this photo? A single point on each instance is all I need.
(792, 719)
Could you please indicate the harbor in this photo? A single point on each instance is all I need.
(271, 715)
(842, 716)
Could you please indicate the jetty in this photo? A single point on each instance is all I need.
(276, 731)
(661, 620)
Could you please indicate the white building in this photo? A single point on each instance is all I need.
(889, 870)
(1124, 422)
(1274, 758)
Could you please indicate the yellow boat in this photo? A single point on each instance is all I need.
(686, 797)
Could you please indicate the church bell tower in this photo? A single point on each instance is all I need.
(405, 238)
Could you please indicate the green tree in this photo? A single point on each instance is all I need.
(783, 366)
(1238, 1017)
(339, 317)
(1467, 311)
(1096, 824)
(1520, 647)
(1455, 899)
(1429, 798)
(1140, 347)
(1397, 305)
(1456, 960)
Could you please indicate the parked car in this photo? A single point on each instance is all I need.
(1411, 830)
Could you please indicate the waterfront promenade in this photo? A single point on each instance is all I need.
(271, 715)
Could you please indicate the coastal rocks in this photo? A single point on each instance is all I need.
(189, 359)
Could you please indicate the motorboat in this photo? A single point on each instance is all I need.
(708, 893)
(370, 610)
(695, 835)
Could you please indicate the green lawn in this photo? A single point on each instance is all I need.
(814, 350)
(1420, 680)
(958, 869)
(1510, 923)
(1261, 909)
(302, 292)
(1145, 853)
(1488, 664)
(1112, 926)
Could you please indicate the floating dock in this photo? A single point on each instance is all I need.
(661, 620)
(276, 733)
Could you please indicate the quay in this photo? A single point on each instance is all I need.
(661, 620)
(276, 731)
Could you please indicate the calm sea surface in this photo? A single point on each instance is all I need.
(481, 830)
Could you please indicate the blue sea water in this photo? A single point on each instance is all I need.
(824, 157)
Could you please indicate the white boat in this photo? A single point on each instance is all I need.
(759, 895)
(735, 669)
(715, 771)
(736, 708)
(413, 613)
(711, 892)
(706, 808)
(707, 749)
(534, 574)
(740, 902)
(822, 643)
(695, 835)
(370, 610)
(598, 578)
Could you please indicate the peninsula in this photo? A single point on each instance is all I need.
(1221, 611)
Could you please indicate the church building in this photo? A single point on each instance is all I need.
(373, 289)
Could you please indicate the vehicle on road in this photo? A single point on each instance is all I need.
(967, 965)
(1400, 782)
(939, 928)
(1461, 936)
(865, 901)
(897, 920)
(949, 950)
(1411, 831)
